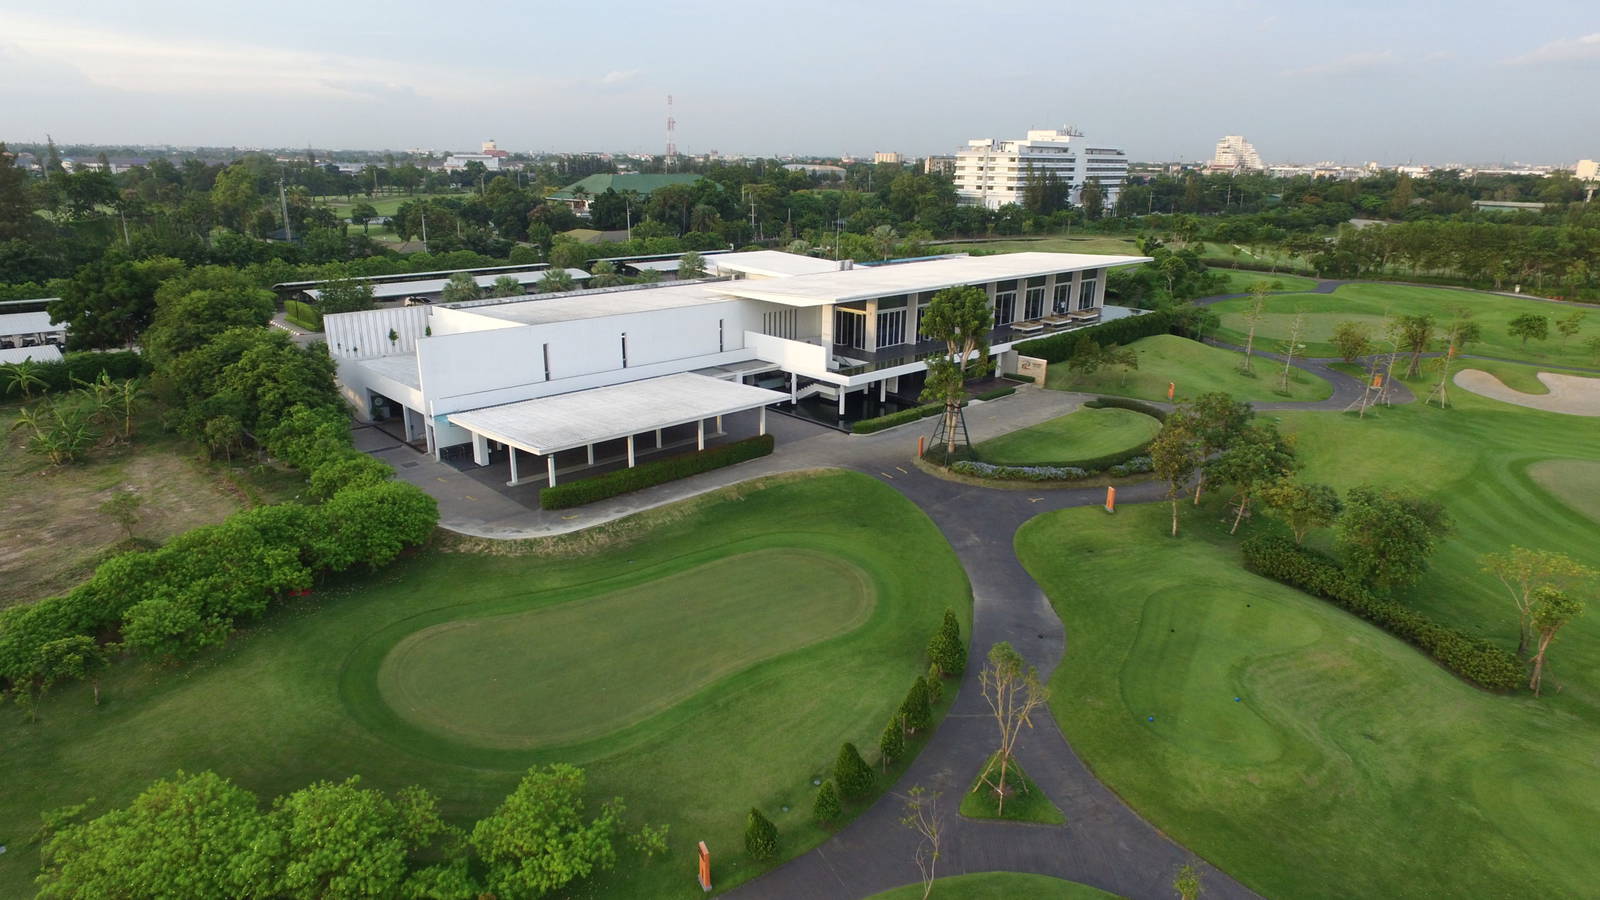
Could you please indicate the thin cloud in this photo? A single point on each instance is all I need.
(1354, 64)
(1562, 51)
(618, 76)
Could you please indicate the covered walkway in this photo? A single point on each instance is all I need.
(607, 416)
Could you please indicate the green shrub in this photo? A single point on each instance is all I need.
(623, 481)
(1018, 473)
(915, 711)
(1128, 403)
(826, 808)
(760, 836)
(868, 426)
(892, 743)
(935, 681)
(1019, 379)
(851, 773)
(945, 650)
(997, 393)
(1138, 465)
(1473, 659)
(66, 373)
(1058, 347)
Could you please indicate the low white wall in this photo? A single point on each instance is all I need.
(365, 335)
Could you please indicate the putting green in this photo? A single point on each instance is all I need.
(1575, 482)
(1082, 434)
(528, 679)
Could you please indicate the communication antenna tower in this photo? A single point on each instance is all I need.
(672, 141)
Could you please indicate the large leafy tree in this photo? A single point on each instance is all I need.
(1216, 420)
(1257, 458)
(1523, 571)
(962, 318)
(1174, 456)
(199, 304)
(186, 838)
(109, 302)
(1303, 506)
(17, 220)
(542, 838)
(1386, 536)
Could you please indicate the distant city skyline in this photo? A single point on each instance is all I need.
(1462, 84)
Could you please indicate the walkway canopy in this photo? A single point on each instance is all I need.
(549, 425)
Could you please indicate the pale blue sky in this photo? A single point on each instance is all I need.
(1467, 81)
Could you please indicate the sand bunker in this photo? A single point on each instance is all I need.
(1570, 394)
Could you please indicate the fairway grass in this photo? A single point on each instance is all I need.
(1195, 368)
(1370, 303)
(1240, 280)
(1081, 434)
(527, 679)
(296, 698)
(999, 886)
(1350, 764)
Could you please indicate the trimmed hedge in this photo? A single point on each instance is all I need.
(1472, 659)
(303, 314)
(66, 373)
(1019, 379)
(1138, 406)
(1058, 347)
(661, 471)
(1135, 466)
(996, 394)
(868, 426)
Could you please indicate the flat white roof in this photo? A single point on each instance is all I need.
(655, 265)
(28, 323)
(862, 283)
(771, 263)
(394, 289)
(535, 311)
(401, 367)
(44, 354)
(552, 424)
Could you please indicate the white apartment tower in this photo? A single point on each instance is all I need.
(992, 173)
(1236, 153)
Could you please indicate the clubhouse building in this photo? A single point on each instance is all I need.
(553, 384)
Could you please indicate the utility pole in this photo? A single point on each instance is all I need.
(424, 228)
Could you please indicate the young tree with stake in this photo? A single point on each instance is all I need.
(1552, 611)
(922, 815)
(961, 317)
(1297, 330)
(1252, 317)
(1013, 691)
(1174, 456)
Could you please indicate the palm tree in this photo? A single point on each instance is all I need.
(555, 280)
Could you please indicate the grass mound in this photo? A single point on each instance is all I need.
(1082, 434)
(527, 679)
(1240, 280)
(1025, 802)
(1196, 369)
(1575, 481)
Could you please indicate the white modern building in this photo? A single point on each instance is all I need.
(556, 384)
(1587, 170)
(993, 172)
(31, 329)
(1235, 154)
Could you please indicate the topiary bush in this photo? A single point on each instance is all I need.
(826, 809)
(915, 711)
(892, 743)
(760, 836)
(997, 393)
(623, 481)
(851, 773)
(1472, 659)
(868, 426)
(945, 650)
(935, 681)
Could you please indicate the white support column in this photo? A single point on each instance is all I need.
(591, 454)
(658, 439)
(630, 451)
(700, 434)
(433, 444)
(883, 389)
(762, 427)
(550, 466)
(513, 454)
(842, 392)
(719, 424)
(480, 449)
(794, 387)
(406, 419)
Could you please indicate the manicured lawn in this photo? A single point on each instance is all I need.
(1228, 254)
(52, 533)
(1575, 481)
(999, 886)
(1196, 369)
(298, 698)
(1370, 303)
(1081, 434)
(386, 204)
(1240, 280)
(1024, 801)
(1350, 764)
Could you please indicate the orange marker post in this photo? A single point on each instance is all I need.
(705, 868)
(922, 449)
(1172, 389)
(1377, 379)
(1111, 499)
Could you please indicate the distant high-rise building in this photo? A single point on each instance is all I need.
(1588, 170)
(886, 158)
(993, 173)
(939, 165)
(1234, 153)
